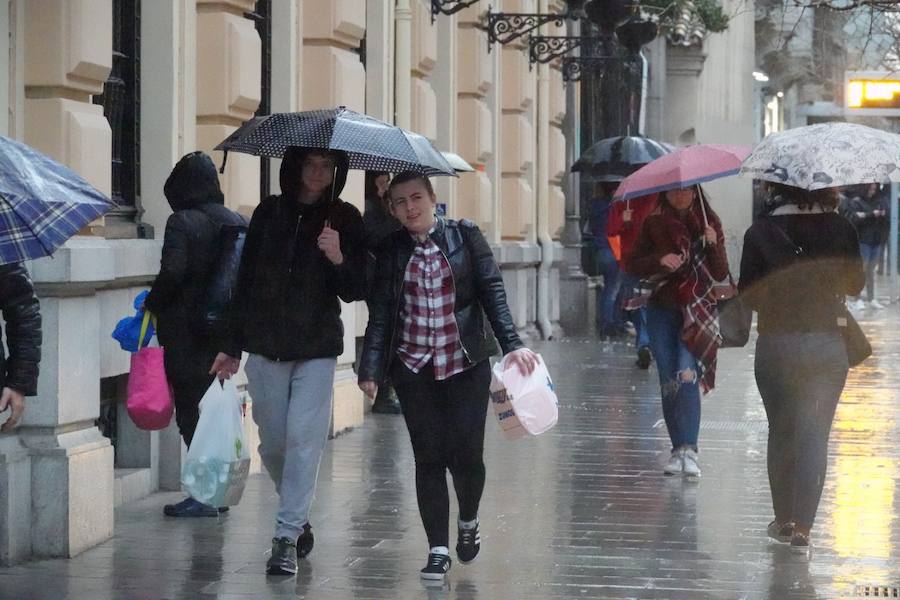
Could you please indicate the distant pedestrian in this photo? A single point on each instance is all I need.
(681, 251)
(436, 282)
(379, 224)
(625, 221)
(22, 321)
(609, 315)
(180, 293)
(798, 263)
(304, 254)
(866, 208)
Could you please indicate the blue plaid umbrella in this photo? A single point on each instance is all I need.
(42, 203)
(370, 144)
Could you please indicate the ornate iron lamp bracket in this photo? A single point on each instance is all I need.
(506, 27)
(546, 48)
(573, 67)
(448, 7)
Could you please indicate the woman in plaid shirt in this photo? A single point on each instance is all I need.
(436, 280)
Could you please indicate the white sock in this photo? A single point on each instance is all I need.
(468, 524)
(440, 550)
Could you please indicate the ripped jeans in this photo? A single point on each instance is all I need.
(678, 371)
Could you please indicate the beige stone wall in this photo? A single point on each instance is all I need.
(335, 76)
(475, 122)
(228, 91)
(60, 79)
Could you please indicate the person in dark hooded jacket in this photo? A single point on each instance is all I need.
(379, 224)
(179, 293)
(22, 317)
(304, 253)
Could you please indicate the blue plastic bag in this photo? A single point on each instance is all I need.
(128, 330)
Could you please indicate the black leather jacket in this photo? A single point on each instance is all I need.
(479, 292)
(22, 314)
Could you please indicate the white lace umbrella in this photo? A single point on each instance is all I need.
(826, 155)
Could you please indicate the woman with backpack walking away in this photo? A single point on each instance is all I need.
(180, 294)
(681, 251)
(435, 282)
(798, 263)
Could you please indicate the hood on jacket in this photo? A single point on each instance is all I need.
(192, 182)
(291, 167)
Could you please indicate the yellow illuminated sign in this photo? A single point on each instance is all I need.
(863, 93)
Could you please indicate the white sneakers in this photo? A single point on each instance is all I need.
(691, 464)
(683, 461)
(860, 304)
(675, 466)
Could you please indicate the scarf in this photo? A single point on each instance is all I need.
(694, 293)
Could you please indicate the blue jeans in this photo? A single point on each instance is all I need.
(608, 314)
(678, 376)
(637, 317)
(870, 255)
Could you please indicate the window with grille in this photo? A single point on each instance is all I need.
(121, 100)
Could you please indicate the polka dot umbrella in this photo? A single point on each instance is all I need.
(369, 143)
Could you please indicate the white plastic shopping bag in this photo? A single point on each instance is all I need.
(218, 462)
(524, 404)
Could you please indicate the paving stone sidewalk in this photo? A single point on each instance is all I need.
(580, 512)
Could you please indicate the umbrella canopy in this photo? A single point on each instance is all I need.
(42, 203)
(369, 143)
(618, 156)
(459, 164)
(684, 167)
(826, 155)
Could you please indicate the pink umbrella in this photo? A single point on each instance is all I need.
(683, 168)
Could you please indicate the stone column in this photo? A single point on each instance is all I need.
(474, 120)
(683, 67)
(331, 35)
(228, 75)
(573, 281)
(45, 510)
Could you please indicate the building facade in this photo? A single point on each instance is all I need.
(119, 90)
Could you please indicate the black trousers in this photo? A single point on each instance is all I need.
(187, 369)
(800, 377)
(445, 420)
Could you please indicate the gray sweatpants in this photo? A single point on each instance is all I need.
(292, 408)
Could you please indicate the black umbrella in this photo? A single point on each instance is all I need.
(619, 156)
(370, 144)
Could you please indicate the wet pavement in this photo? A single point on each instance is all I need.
(580, 512)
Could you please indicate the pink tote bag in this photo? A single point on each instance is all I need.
(150, 403)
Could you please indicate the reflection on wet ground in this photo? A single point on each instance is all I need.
(581, 512)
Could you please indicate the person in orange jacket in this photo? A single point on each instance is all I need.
(625, 220)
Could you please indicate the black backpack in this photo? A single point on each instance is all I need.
(222, 283)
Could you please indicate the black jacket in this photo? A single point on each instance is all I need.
(859, 210)
(479, 292)
(802, 292)
(288, 298)
(179, 294)
(21, 312)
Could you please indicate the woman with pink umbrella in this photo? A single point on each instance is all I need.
(680, 254)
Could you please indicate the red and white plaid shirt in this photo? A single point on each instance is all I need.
(430, 332)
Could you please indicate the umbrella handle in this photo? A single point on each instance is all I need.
(703, 210)
(224, 160)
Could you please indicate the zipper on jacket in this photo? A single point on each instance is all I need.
(294, 244)
(453, 280)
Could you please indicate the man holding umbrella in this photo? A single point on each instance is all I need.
(304, 253)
